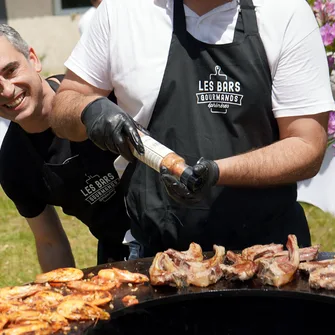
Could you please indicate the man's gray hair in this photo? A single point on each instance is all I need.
(15, 39)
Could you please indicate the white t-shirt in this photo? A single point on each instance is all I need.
(85, 20)
(4, 123)
(127, 45)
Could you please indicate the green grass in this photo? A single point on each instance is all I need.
(322, 226)
(18, 260)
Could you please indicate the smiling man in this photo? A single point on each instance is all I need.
(38, 170)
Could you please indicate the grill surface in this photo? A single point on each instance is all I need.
(222, 308)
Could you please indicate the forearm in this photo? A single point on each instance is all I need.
(52, 245)
(54, 255)
(285, 161)
(65, 118)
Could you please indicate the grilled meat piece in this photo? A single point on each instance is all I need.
(206, 272)
(259, 251)
(239, 271)
(194, 253)
(176, 272)
(163, 271)
(234, 258)
(323, 277)
(314, 265)
(309, 253)
(276, 271)
(305, 254)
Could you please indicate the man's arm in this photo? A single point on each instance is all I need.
(73, 95)
(296, 156)
(52, 245)
(82, 111)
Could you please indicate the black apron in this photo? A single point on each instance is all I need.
(83, 181)
(214, 102)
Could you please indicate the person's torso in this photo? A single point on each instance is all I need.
(224, 110)
(77, 176)
(137, 82)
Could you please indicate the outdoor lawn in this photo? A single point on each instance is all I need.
(18, 260)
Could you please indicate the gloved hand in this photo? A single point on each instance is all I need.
(206, 171)
(110, 128)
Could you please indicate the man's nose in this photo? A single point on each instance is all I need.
(6, 88)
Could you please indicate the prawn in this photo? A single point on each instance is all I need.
(123, 276)
(95, 298)
(91, 285)
(74, 309)
(60, 275)
(19, 292)
(3, 320)
(44, 300)
(55, 320)
(36, 328)
(129, 300)
(12, 306)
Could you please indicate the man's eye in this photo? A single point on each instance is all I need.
(10, 72)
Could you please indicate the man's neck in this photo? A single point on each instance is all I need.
(202, 7)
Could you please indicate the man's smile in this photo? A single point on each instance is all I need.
(16, 102)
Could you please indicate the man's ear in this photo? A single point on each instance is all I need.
(34, 60)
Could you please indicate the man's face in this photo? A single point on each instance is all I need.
(21, 91)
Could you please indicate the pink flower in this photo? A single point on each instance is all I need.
(324, 11)
(330, 10)
(328, 34)
(331, 62)
(331, 124)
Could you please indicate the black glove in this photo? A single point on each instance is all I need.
(206, 175)
(110, 128)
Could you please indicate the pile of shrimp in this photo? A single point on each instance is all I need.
(60, 296)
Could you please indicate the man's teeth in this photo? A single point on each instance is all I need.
(16, 102)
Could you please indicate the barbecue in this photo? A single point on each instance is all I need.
(54, 304)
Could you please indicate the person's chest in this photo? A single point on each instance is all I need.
(141, 44)
(75, 174)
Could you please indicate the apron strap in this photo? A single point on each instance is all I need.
(179, 20)
(239, 29)
(249, 17)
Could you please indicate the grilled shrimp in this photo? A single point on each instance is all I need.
(74, 309)
(3, 320)
(60, 275)
(55, 320)
(19, 292)
(91, 285)
(95, 298)
(35, 328)
(7, 306)
(129, 300)
(122, 276)
(44, 300)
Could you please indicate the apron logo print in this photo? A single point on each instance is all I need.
(219, 92)
(100, 188)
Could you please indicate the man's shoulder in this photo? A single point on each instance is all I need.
(280, 9)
